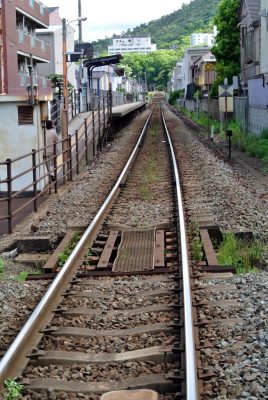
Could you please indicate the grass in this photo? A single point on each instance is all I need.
(243, 255)
(64, 255)
(154, 134)
(13, 389)
(23, 275)
(202, 119)
(195, 242)
(150, 175)
(1, 266)
(253, 145)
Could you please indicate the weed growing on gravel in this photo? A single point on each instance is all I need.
(243, 255)
(150, 175)
(64, 255)
(144, 192)
(155, 134)
(1, 265)
(13, 389)
(197, 249)
(23, 275)
(196, 244)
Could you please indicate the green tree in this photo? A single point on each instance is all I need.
(227, 47)
(57, 82)
(157, 65)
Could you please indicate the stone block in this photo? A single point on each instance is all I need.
(36, 244)
(141, 394)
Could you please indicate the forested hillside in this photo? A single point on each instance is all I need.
(170, 31)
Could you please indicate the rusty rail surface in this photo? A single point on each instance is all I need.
(68, 155)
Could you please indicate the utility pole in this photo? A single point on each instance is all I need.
(65, 82)
(79, 22)
(80, 90)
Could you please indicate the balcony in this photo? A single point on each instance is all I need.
(30, 44)
(43, 84)
(35, 9)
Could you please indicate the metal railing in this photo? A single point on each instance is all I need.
(29, 176)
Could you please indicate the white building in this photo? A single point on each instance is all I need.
(177, 77)
(191, 55)
(53, 35)
(131, 45)
(203, 39)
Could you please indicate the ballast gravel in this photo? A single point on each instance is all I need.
(237, 201)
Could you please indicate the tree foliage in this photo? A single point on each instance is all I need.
(57, 82)
(227, 47)
(155, 67)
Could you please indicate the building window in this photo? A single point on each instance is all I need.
(31, 3)
(25, 115)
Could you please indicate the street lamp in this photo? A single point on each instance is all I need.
(65, 80)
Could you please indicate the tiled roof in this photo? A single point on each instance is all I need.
(254, 9)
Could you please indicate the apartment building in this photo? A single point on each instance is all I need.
(24, 95)
(53, 36)
(203, 38)
(123, 45)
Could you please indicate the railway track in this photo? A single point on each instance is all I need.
(118, 316)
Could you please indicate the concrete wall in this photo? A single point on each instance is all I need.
(203, 106)
(252, 119)
(241, 111)
(17, 140)
(258, 92)
(257, 119)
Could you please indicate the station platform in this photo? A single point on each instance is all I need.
(128, 108)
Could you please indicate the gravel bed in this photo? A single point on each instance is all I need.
(239, 357)
(113, 322)
(126, 287)
(98, 373)
(93, 186)
(69, 208)
(237, 201)
(18, 299)
(235, 198)
(120, 303)
(113, 344)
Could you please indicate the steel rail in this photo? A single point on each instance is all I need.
(14, 359)
(191, 365)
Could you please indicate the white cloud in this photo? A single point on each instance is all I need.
(106, 17)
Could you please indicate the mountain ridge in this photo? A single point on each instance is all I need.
(170, 31)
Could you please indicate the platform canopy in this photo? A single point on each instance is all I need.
(100, 61)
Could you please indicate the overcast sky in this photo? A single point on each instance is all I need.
(106, 17)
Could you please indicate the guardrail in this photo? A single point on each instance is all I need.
(29, 177)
